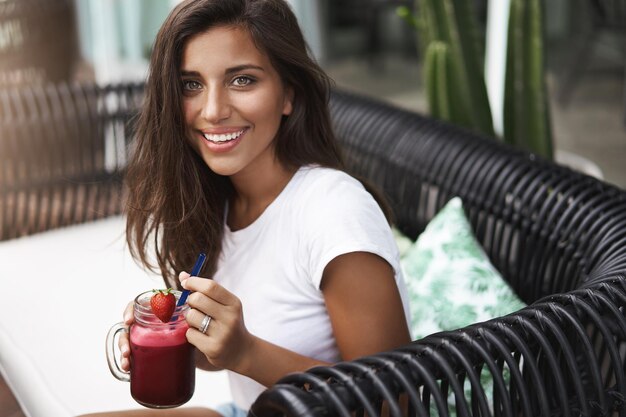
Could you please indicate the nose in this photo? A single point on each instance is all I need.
(216, 106)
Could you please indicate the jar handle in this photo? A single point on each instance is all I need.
(114, 366)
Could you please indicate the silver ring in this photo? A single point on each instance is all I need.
(204, 326)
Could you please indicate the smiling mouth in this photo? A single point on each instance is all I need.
(223, 138)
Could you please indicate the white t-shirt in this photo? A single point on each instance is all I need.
(275, 265)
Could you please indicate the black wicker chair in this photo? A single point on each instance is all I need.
(557, 236)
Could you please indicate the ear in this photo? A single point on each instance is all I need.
(288, 102)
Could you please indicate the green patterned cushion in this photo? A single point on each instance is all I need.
(452, 284)
(450, 280)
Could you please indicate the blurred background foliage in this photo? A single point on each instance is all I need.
(453, 69)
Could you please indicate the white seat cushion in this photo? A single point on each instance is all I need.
(63, 290)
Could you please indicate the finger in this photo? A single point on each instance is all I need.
(195, 317)
(211, 289)
(183, 276)
(124, 345)
(128, 313)
(205, 304)
(125, 364)
(199, 340)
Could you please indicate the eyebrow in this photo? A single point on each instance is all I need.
(230, 70)
(242, 68)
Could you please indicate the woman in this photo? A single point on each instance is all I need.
(235, 156)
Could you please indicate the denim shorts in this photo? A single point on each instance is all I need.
(230, 410)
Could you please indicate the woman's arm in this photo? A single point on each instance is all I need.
(365, 311)
(362, 300)
(364, 305)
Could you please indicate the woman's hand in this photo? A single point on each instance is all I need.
(124, 341)
(226, 344)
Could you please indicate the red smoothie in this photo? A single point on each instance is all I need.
(162, 365)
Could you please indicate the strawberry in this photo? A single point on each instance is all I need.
(163, 304)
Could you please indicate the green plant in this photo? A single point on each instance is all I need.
(526, 110)
(453, 70)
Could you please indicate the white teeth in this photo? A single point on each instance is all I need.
(224, 137)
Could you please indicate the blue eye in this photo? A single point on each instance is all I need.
(190, 85)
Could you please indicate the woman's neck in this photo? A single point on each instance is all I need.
(255, 190)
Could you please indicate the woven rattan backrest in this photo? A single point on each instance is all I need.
(62, 154)
(545, 227)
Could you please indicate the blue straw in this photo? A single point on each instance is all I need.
(194, 273)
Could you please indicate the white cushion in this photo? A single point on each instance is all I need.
(63, 290)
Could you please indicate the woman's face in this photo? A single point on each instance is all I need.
(233, 101)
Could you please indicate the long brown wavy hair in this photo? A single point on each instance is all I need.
(176, 204)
